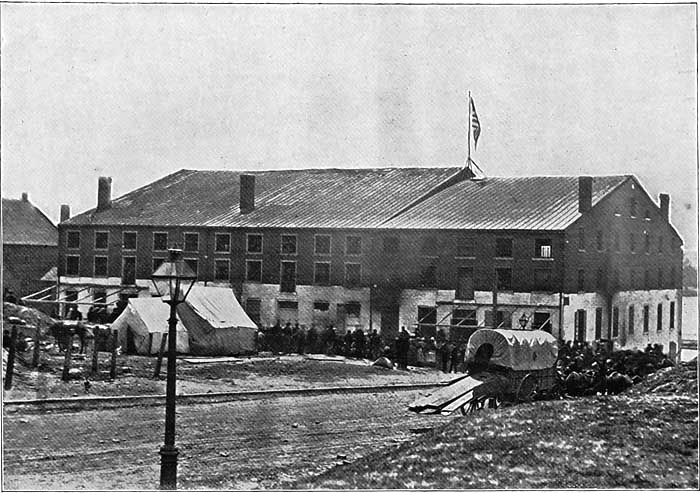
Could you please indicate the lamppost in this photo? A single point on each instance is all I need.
(523, 320)
(173, 281)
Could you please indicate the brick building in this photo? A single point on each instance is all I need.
(426, 248)
(29, 246)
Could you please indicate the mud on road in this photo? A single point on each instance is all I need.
(234, 445)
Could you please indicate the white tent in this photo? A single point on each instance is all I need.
(216, 322)
(142, 324)
(516, 349)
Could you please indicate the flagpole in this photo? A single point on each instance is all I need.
(469, 132)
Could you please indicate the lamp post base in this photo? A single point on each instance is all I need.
(168, 467)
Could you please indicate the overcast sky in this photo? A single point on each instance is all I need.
(139, 91)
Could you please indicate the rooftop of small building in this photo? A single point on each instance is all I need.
(372, 198)
(24, 224)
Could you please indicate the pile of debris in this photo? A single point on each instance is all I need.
(680, 380)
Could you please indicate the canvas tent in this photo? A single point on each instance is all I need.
(142, 324)
(516, 349)
(216, 322)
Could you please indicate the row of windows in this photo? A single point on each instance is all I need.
(615, 244)
(635, 278)
(645, 318)
(288, 244)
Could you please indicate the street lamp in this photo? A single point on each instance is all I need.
(173, 281)
(523, 320)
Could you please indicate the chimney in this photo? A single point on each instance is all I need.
(104, 193)
(65, 212)
(664, 201)
(247, 193)
(585, 193)
(25, 197)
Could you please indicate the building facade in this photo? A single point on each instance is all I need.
(592, 258)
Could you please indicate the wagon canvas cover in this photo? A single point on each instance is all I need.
(516, 349)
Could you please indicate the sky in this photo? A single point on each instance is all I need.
(137, 92)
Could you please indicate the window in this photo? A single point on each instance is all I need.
(391, 244)
(322, 273)
(160, 242)
(581, 280)
(504, 278)
(288, 277)
(221, 270)
(647, 279)
(465, 283)
(129, 240)
(322, 306)
(322, 244)
(598, 324)
(463, 317)
(645, 314)
(353, 309)
(504, 247)
(156, 263)
(253, 270)
(72, 265)
(599, 243)
(191, 242)
(659, 317)
(128, 270)
(254, 243)
(289, 245)
(630, 320)
(100, 266)
(287, 305)
(193, 264)
(429, 246)
(616, 241)
(633, 246)
(73, 239)
(465, 248)
(580, 325)
(600, 278)
(252, 308)
(502, 319)
(672, 315)
(427, 276)
(616, 322)
(101, 240)
(427, 318)
(581, 239)
(353, 245)
(352, 274)
(633, 207)
(222, 242)
(661, 244)
(542, 321)
(543, 248)
(647, 243)
(99, 296)
(543, 280)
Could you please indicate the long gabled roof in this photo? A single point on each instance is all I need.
(388, 198)
(25, 224)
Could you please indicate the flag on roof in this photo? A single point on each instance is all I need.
(475, 125)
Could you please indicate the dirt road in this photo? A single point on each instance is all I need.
(232, 445)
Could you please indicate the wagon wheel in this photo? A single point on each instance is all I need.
(486, 402)
(526, 389)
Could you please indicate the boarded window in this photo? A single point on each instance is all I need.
(100, 266)
(160, 241)
(322, 273)
(222, 242)
(129, 240)
(101, 240)
(503, 319)
(73, 239)
(504, 247)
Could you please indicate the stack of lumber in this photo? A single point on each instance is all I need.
(461, 393)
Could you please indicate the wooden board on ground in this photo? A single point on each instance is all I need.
(445, 395)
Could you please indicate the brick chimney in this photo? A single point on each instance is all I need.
(104, 193)
(247, 193)
(664, 201)
(585, 193)
(65, 212)
(25, 197)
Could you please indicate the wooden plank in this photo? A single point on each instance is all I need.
(446, 394)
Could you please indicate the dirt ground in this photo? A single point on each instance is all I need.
(265, 372)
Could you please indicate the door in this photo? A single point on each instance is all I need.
(390, 322)
(580, 326)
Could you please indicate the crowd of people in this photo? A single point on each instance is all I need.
(588, 368)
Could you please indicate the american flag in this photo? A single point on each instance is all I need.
(476, 126)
